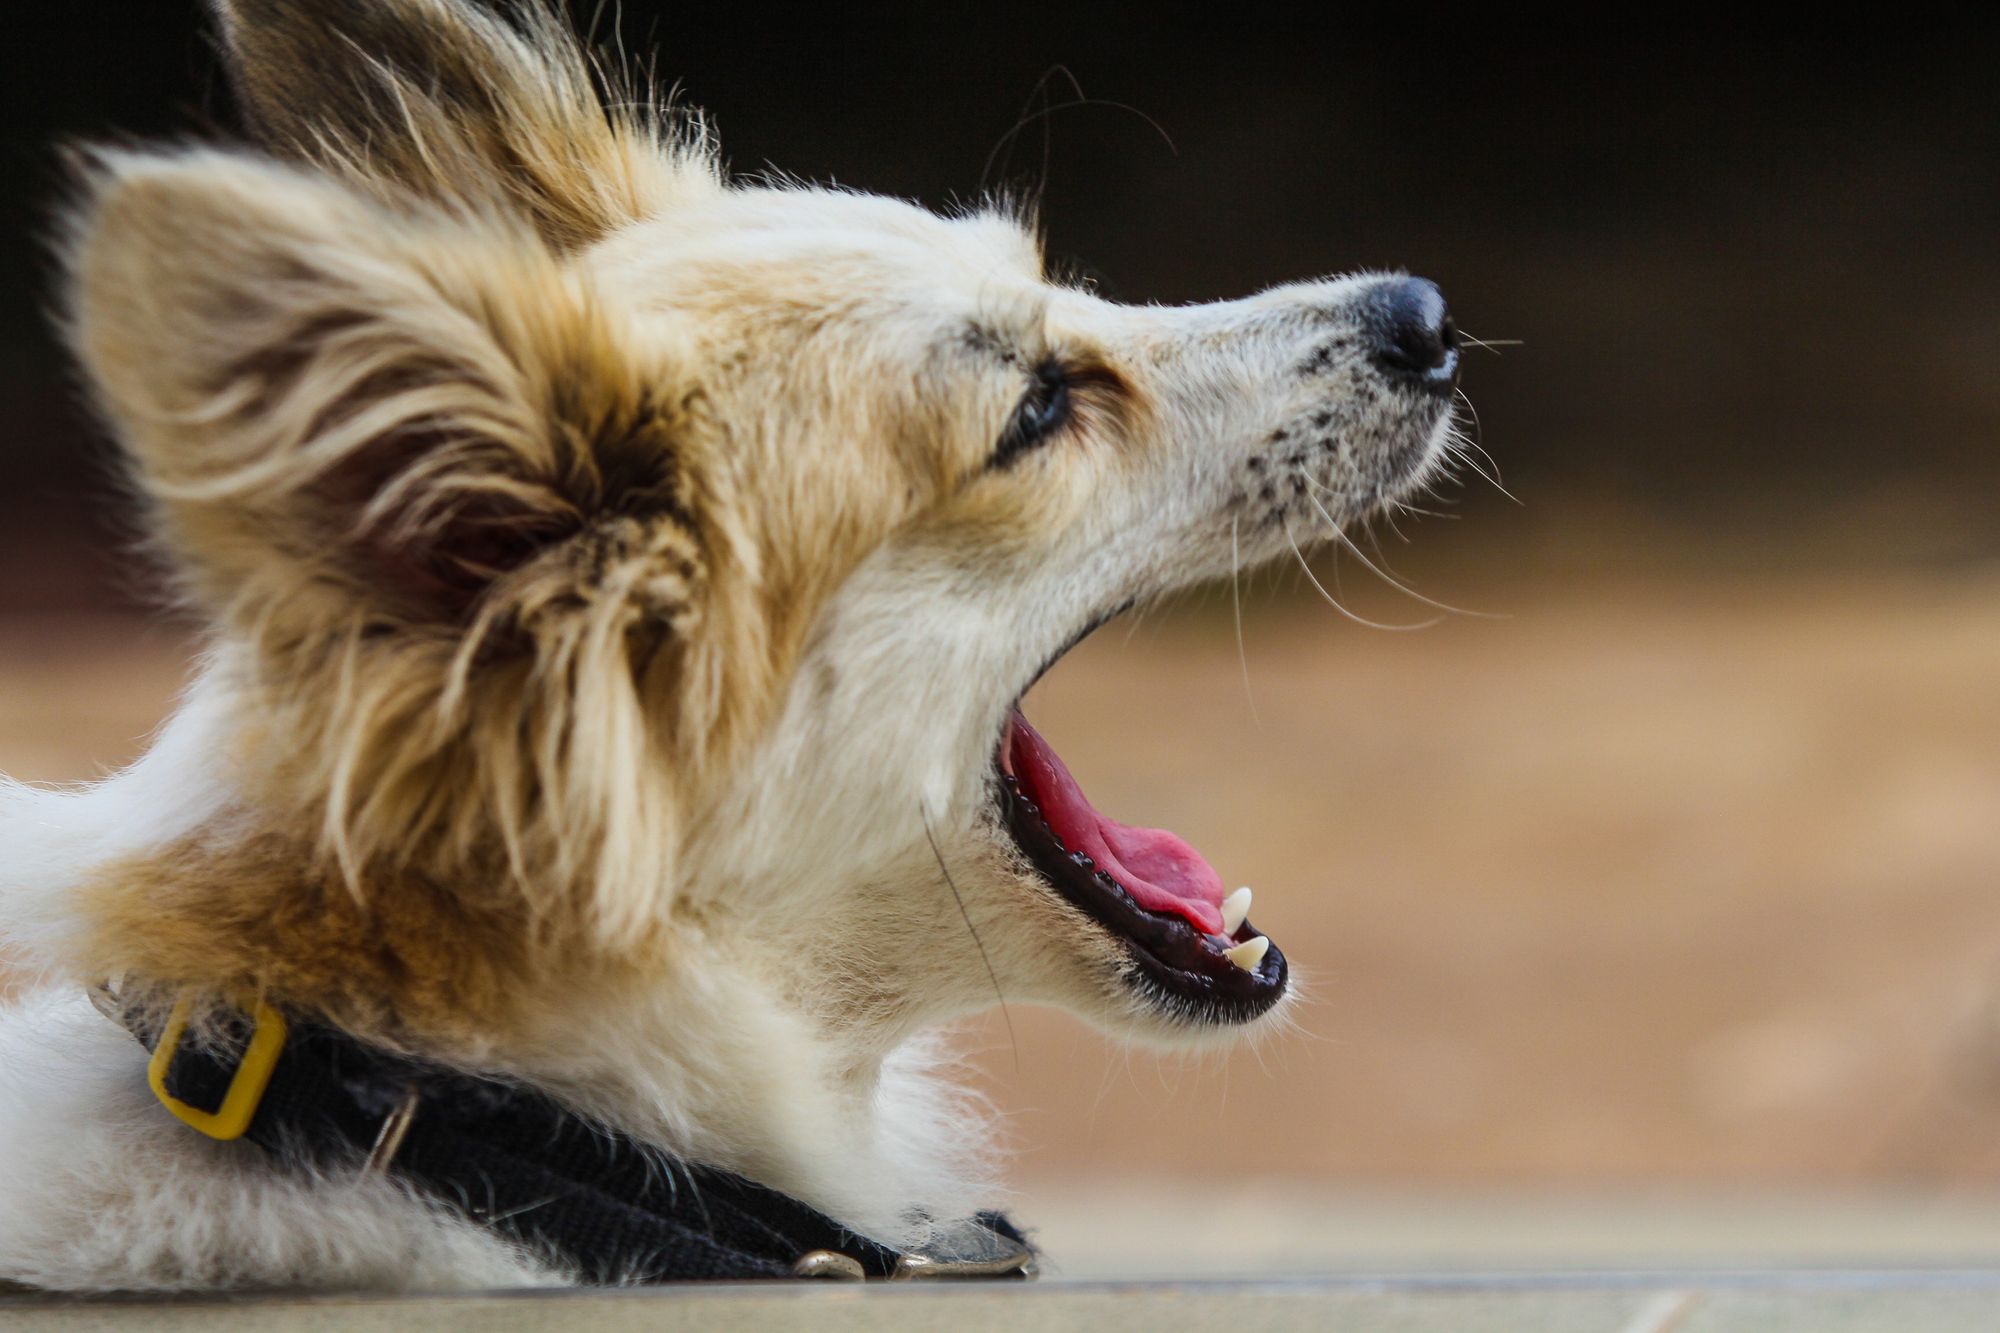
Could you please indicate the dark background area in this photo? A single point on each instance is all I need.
(1752, 273)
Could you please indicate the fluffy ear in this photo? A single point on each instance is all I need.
(325, 398)
(440, 494)
(448, 101)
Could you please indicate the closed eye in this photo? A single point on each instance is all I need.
(1042, 412)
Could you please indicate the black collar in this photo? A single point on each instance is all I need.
(571, 1191)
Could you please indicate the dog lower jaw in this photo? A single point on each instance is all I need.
(1189, 979)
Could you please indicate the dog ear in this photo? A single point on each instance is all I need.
(448, 101)
(326, 398)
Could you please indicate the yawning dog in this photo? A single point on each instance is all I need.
(619, 581)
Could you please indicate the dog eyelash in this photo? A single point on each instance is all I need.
(1043, 411)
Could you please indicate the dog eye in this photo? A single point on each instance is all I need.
(1043, 411)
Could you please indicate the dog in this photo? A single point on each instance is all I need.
(618, 584)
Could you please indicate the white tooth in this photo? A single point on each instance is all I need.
(1249, 953)
(1235, 908)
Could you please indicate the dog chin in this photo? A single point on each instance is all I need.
(1107, 989)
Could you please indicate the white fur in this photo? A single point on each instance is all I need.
(815, 946)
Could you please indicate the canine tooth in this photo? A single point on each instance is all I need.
(1249, 953)
(1235, 910)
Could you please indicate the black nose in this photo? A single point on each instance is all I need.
(1410, 333)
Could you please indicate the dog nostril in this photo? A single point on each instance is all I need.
(1410, 331)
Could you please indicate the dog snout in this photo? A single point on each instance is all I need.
(1410, 334)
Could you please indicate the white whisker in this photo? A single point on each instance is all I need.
(1387, 508)
(1378, 571)
(1409, 508)
(1465, 400)
(1334, 602)
(1236, 605)
(1457, 445)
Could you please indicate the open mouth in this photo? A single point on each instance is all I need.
(1189, 941)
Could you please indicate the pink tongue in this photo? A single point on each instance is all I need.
(1161, 872)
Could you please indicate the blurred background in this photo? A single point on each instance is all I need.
(1651, 912)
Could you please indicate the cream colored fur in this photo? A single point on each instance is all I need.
(612, 610)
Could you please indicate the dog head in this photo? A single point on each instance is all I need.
(652, 563)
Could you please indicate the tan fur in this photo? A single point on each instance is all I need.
(614, 593)
(384, 428)
(438, 99)
(416, 966)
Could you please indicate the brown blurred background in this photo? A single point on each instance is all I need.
(1679, 876)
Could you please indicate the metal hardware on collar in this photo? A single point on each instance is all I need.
(969, 1250)
(389, 1140)
(246, 1086)
(830, 1264)
(922, 1267)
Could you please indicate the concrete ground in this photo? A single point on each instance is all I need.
(1879, 1302)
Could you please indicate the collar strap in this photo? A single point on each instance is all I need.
(595, 1200)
